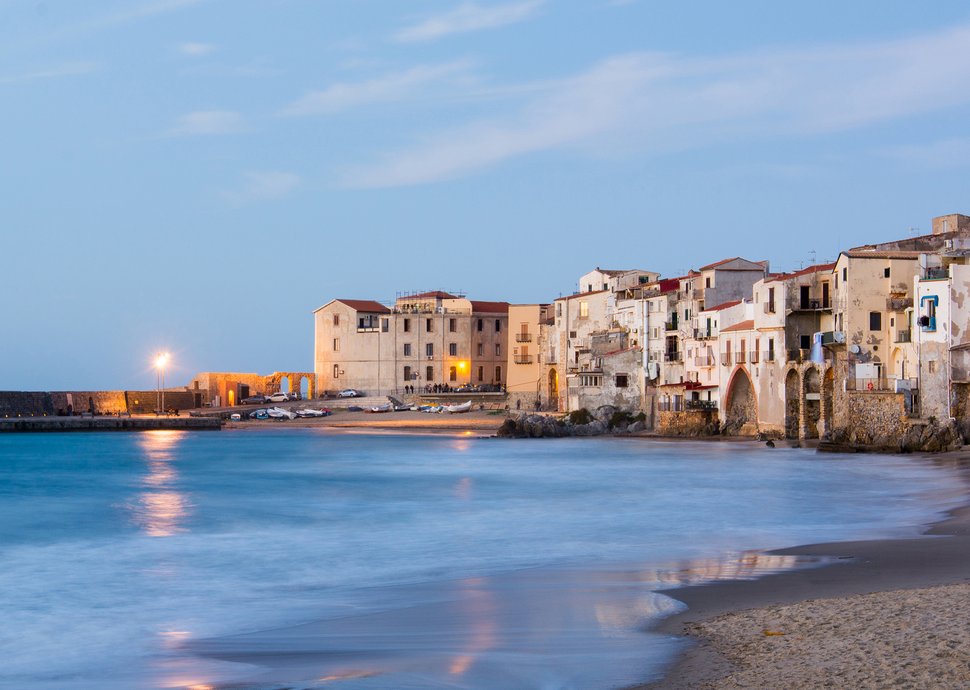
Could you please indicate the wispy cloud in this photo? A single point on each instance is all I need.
(655, 101)
(387, 88)
(69, 69)
(206, 122)
(196, 49)
(264, 185)
(469, 16)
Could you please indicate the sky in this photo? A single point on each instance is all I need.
(197, 176)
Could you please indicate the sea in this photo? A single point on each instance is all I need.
(301, 558)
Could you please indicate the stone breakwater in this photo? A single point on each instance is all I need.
(36, 424)
(544, 426)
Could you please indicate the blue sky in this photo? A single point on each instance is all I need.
(199, 175)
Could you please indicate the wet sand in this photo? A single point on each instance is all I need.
(886, 613)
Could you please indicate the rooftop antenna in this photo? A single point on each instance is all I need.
(814, 255)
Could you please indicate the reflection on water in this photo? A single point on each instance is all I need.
(160, 510)
(557, 628)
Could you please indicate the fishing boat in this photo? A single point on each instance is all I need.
(454, 409)
(308, 412)
(280, 413)
(386, 407)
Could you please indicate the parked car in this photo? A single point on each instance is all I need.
(254, 400)
(279, 397)
(349, 393)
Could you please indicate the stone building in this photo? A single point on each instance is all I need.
(425, 339)
(577, 318)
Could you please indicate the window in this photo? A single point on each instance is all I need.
(771, 349)
(481, 373)
(498, 325)
(927, 320)
(452, 373)
(481, 325)
(428, 325)
(805, 342)
(707, 282)
(583, 309)
(429, 374)
(336, 344)
(771, 300)
(589, 288)
(385, 325)
(931, 368)
(453, 349)
(481, 350)
(452, 325)
(826, 300)
(407, 349)
(498, 350)
(875, 321)
(429, 349)
(621, 381)
(336, 371)
(845, 274)
(407, 373)
(558, 310)
(498, 374)
(336, 319)
(885, 272)
(407, 325)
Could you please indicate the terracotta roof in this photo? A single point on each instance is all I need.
(725, 305)
(581, 294)
(733, 258)
(817, 268)
(882, 254)
(364, 305)
(490, 307)
(743, 326)
(437, 294)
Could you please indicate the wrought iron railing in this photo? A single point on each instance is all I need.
(701, 404)
(523, 359)
(523, 337)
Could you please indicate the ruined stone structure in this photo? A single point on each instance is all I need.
(226, 389)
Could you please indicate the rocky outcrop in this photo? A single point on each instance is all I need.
(602, 421)
(930, 437)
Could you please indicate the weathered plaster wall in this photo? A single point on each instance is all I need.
(689, 423)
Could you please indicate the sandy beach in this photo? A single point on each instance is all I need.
(887, 613)
(474, 421)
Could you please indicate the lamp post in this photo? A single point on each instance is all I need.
(160, 361)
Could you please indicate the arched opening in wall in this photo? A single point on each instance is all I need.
(813, 402)
(231, 397)
(828, 402)
(741, 411)
(898, 362)
(553, 387)
(285, 384)
(793, 397)
(304, 387)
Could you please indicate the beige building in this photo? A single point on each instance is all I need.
(577, 318)
(528, 380)
(425, 340)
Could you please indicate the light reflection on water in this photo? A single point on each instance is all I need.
(160, 510)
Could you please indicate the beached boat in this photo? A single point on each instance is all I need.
(454, 409)
(280, 413)
(307, 412)
(386, 407)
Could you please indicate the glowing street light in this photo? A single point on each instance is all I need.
(160, 361)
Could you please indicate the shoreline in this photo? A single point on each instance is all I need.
(898, 569)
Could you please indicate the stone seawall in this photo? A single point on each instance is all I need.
(66, 403)
(687, 423)
(40, 424)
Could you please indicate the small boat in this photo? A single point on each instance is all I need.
(386, 407)
(455, 409)
(280, 413)
(259, 414)
(431, 408)
(307, 412)
(402, 408)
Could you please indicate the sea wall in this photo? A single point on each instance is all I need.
(687, 423)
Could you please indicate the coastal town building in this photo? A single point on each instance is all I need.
(426, 340)
(527, 381)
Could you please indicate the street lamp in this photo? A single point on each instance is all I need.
(160, 361)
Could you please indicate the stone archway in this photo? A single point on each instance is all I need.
(553, 387)
(285, 385)
(274, 382)
(741, 405)
(793, 403)
(812, 384)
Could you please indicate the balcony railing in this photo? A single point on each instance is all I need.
(673, 357)
(810, 304)
(726, 359)
(701, 405)
(523, 359)
(769, 355)
(704, 361)
(905, 336)
(936, 274)
(799, 356)
(523, 337)
(769, 307)
(704, 334)
(899, 303)
(739, 357)
(753, 357)
(878, 385)
(670, 326)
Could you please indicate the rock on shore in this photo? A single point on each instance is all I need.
(603, 421)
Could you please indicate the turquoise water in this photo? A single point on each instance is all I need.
(324, 559)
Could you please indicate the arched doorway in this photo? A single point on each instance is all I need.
(741, 409)
(813, 402)
(285, 384)
(553, 388)
(792, 403)
(231, 397)
(304, 387)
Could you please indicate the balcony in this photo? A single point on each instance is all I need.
(670, 326)
(769, 307)
(769, 356)
(905, 336)
(704, 334)
(739, 357)
(726, 359)
(799, 356)
(753, 357)
(701, 405)
(833, 338)
(522, 359)
(810, 304)
(673, 357)
(523, 337)
(936, 274)
(899, 303)
(704, 361)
